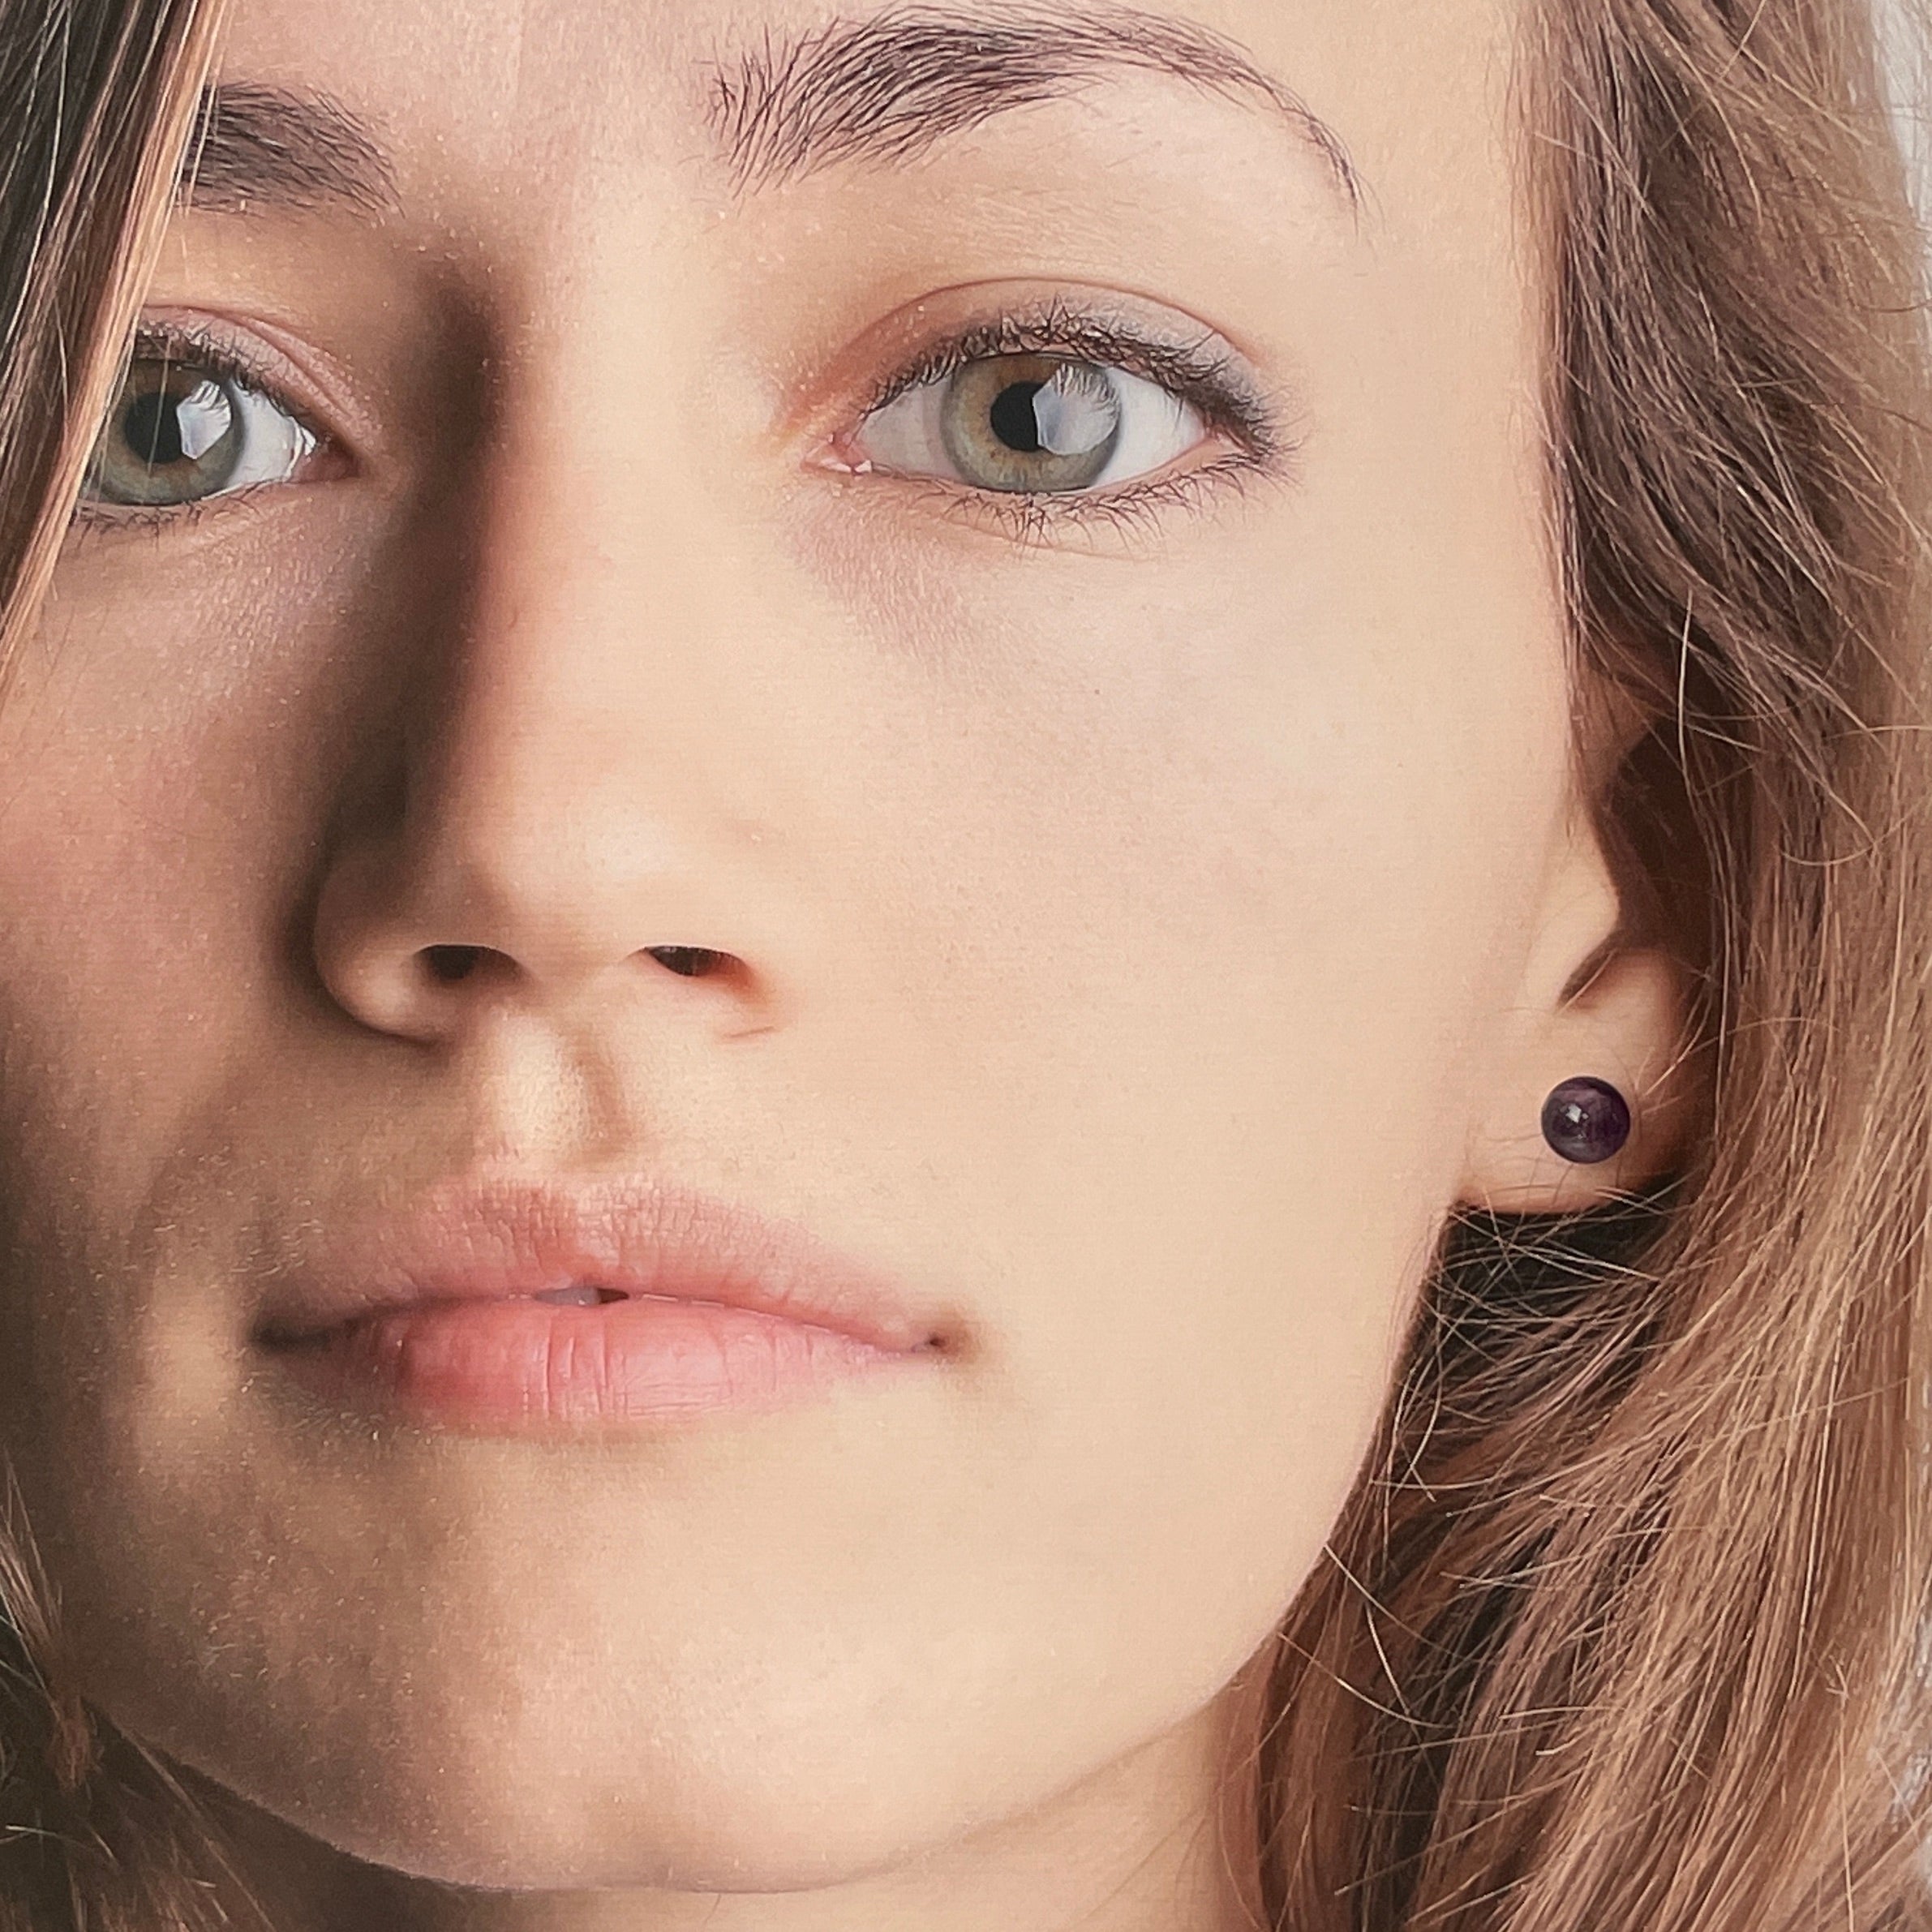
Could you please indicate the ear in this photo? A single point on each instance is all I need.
(1596, 1002)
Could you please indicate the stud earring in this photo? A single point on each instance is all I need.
(1586, 1121)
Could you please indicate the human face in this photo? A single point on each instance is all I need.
(1114, 898)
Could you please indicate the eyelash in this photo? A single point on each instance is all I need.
(179, 343)
(1207, 379)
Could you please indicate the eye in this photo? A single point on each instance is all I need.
(183, 429)
(1043, 425)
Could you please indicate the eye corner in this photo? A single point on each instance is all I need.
(836, 456)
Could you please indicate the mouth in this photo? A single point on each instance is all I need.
(513, 1309)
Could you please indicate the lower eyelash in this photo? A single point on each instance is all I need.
(1133, 510)
(173, 519)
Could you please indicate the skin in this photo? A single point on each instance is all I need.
(1143, 937)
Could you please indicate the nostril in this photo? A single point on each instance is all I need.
(451, 964)
(692, 962)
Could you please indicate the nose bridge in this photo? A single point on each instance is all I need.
(518, 767)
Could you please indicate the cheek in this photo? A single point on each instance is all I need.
(1231, 859)
(175, 733)
(1205, 902)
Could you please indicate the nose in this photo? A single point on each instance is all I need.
(424, 927)
(571, 794)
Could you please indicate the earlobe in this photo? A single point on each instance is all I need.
(1557, 1141)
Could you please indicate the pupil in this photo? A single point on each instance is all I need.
(152, 429)
(1016, 422)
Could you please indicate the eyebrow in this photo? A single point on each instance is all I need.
(889, 88)
(886, 89)
(254, 145)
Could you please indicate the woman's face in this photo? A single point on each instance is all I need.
(1031, 571)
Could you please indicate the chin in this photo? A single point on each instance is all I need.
(648, 1835)
(678, 1803)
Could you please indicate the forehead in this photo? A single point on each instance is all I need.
(1402, 105)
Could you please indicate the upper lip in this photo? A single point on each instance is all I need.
(504, 1241)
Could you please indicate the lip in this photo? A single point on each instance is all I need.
(702, 1306)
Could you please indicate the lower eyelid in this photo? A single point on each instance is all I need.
(102, 517)
(99, 519)
(1137, 508)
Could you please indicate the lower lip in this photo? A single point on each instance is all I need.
(519, 1365)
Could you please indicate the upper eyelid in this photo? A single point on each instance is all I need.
(193, 347)
(300, 379)
(1104, 331)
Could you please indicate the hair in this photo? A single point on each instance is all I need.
(1626, 1622)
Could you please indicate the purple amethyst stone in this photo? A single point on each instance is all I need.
(1586, 1121)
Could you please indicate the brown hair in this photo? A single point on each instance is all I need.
(1625, 1625)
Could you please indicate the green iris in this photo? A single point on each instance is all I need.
(174, 436)
(1035, 423)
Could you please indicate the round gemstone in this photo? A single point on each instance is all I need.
(1588, 1122)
